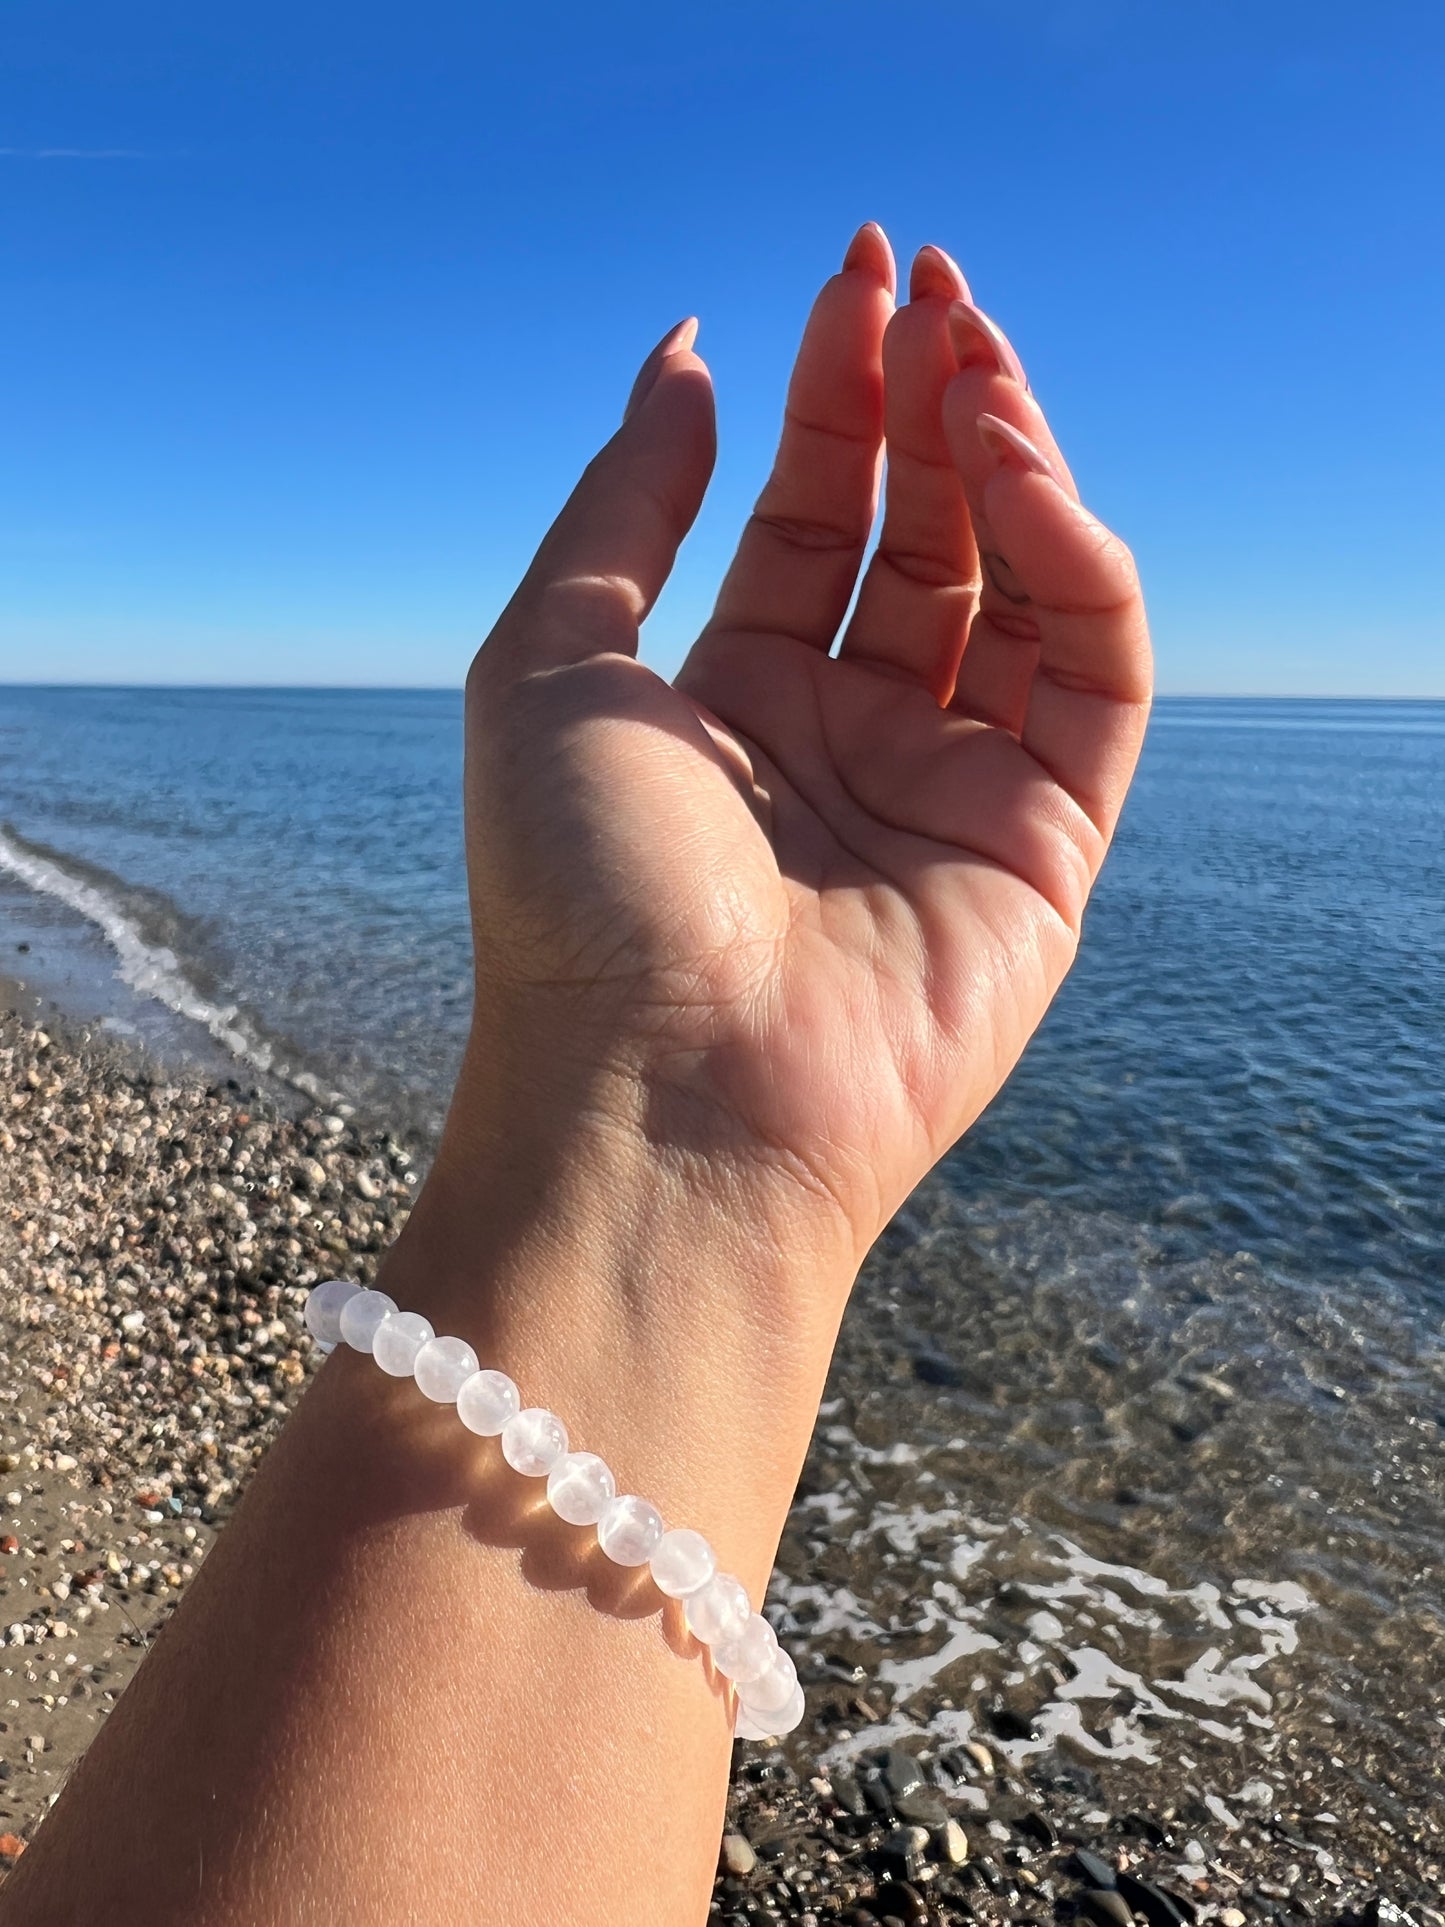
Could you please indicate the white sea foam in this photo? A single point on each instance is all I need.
(1123, 1656)
(151, 970)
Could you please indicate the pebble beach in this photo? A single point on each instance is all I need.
(159, 1235)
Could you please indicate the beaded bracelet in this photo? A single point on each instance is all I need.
(580, 1488)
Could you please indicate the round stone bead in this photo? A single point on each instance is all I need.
(324, 1306)
(770, 1726)
(443, 1366)
(718, 1610)
(770, 1692)
(745, 1727)
(399, 1337)
(747, 1655)
(533, 1441)
(362, 1315)
(579, 1487)
(683, 1561)
(630, 1530)
(486, 1401)
(790, 1716)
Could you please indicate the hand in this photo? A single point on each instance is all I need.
(751, 951)
(790, 921)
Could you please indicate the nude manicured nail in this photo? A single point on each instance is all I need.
(674, 342)
(981, 343)
(935, 272)
(870, 253)
(1013, 449)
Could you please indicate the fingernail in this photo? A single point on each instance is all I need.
(870, 253)
(981, 343)
(674, 342)
(1013, 449)
(935, 272)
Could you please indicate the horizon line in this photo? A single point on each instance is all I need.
(439, 689)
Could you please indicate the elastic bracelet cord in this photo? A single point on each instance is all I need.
(581, 1490)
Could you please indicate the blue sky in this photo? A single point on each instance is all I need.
(310, 314)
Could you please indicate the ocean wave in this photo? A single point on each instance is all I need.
(149, 968)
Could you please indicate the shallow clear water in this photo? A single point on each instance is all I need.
(1176, 1305)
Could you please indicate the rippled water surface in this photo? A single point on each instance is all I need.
(1137, 1427)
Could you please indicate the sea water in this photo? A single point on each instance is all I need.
(1138, 1416)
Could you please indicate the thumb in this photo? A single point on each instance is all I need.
(603, 563)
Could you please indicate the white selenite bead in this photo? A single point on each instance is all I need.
(770, 1692)
(770, 1726)
(747, 1727)
(361, 1315)
(486, 1402)
(443, 1366)
(324, 1305)
(718, 1610)
(579, 1487)
(747, 1655)
(683, 1561)
(399, 1337)
(790, 1716)
(533, 1441)
(629, 1530)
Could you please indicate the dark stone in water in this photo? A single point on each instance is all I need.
(1152, 1903)
(923, 1805)
(1093, 1868)
(934, 1368)
(1037, 1826)
(1010, 1724)
(844, 1670)
(1148, 1829)
(1107, 1907)
(898, 1859)
(901, 1770)
(849, 1795)
(876, 1793)
(902, 1901)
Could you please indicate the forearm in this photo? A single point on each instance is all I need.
(401, 1688)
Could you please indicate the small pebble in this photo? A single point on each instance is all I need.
(952, 1843)
(737, 1855)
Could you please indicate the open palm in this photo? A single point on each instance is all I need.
(799, 912)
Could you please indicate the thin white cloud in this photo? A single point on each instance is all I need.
(70, 154)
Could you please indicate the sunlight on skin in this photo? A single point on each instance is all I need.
(752, 950)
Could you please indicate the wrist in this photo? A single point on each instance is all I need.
(680, 1325)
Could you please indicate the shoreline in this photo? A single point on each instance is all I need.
(162, 1233)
